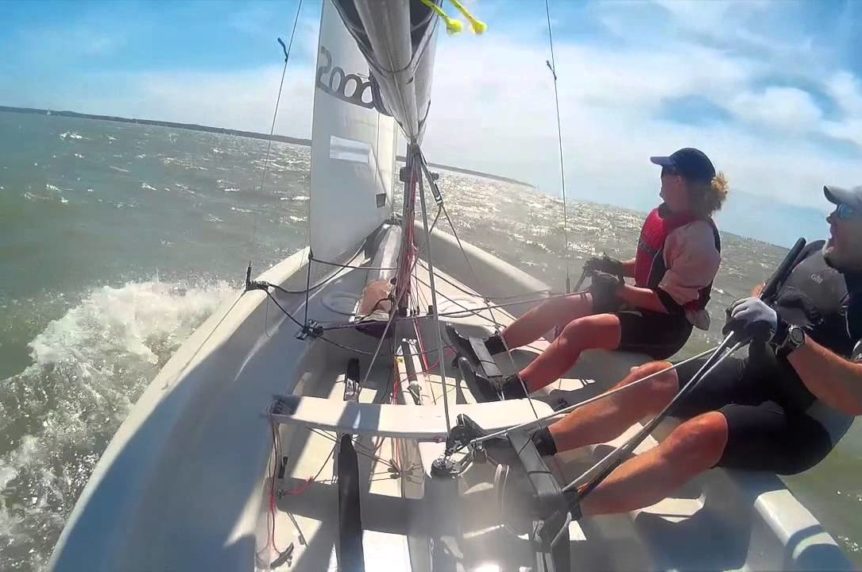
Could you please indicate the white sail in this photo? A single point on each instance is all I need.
(352, 147)
(397, 39)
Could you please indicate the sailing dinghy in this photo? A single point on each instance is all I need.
(320, 420)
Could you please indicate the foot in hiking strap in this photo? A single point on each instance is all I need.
(467, 345)
(544, 442)
(475, 351)
(461, 343)
(508, 387)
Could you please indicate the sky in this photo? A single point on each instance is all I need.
(771, 91)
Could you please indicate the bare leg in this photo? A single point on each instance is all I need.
(556, 312)
(608, 418)
(601, 331)
(692, 448)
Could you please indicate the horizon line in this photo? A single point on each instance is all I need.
(236, 132)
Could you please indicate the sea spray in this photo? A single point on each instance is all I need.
(58, 415)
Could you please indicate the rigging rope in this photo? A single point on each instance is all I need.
(286, 51)
(498, 327)
(552, 65)
(431, 272)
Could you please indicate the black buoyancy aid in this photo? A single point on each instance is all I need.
(815, 297)
(649, 261)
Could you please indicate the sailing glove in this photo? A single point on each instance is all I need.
(604, 288)
(604, 263)
(752, 319)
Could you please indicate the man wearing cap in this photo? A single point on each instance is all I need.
(678, 255)
(781, 409)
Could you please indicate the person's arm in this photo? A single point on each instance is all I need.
(641, 298)
(629, 268)
(837, 382)
(758, 290)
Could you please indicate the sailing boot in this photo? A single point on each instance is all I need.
(509, 387)
(544, 442)
(460, 343)
(494, 343)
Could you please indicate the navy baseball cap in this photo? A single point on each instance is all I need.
(691, 163)
(850, 197)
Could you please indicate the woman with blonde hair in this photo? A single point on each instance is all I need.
(678, 256)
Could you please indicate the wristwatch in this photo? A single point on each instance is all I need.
(794, 339)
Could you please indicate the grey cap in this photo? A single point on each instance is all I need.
(839, 196)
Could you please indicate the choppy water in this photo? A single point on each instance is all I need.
(117, 240)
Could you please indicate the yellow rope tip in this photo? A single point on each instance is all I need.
(454, 26)
(478, 27)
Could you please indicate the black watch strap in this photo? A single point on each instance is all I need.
(789, 343)
(781, 332)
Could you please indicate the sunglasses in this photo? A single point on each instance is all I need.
(667, 171)
(844, 212)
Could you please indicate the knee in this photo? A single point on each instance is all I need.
(655, 368)
(567, 308)
(699, 442)
(582, 328)
(665, 383)
(602, 331)
(574, 331)
(554, 305)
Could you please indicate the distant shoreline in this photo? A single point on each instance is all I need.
(236, 132)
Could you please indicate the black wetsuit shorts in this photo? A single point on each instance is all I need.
(766, 407)
(656, 334)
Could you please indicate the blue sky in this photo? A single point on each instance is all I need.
(772, 91)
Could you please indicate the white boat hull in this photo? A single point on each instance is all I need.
(185, 483)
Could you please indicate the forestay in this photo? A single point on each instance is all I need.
(353, 146)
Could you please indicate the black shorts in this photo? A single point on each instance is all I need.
(768, 427)
(652, 333)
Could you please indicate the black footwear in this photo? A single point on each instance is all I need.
(544, 442)
(495, 344)
(508, 387)
(460, 343)
(513, 388)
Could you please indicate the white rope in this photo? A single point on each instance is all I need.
(551, 416)
(552, 65)
(435, 318)
(497, 325)
(286, 50)
(607, 464)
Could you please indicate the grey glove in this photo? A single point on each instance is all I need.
(604, 288)
(604, 263)
(751, 319)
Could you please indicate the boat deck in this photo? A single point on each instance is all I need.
(193, 480)
(648, 539)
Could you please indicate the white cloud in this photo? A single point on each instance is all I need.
(493, 105)
(493, 110)
(709, 17)
(848, 129)
(781, 108)
(238, 99)
(71, 42)
(846, 90)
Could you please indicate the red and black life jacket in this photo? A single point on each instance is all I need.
(649, 262)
